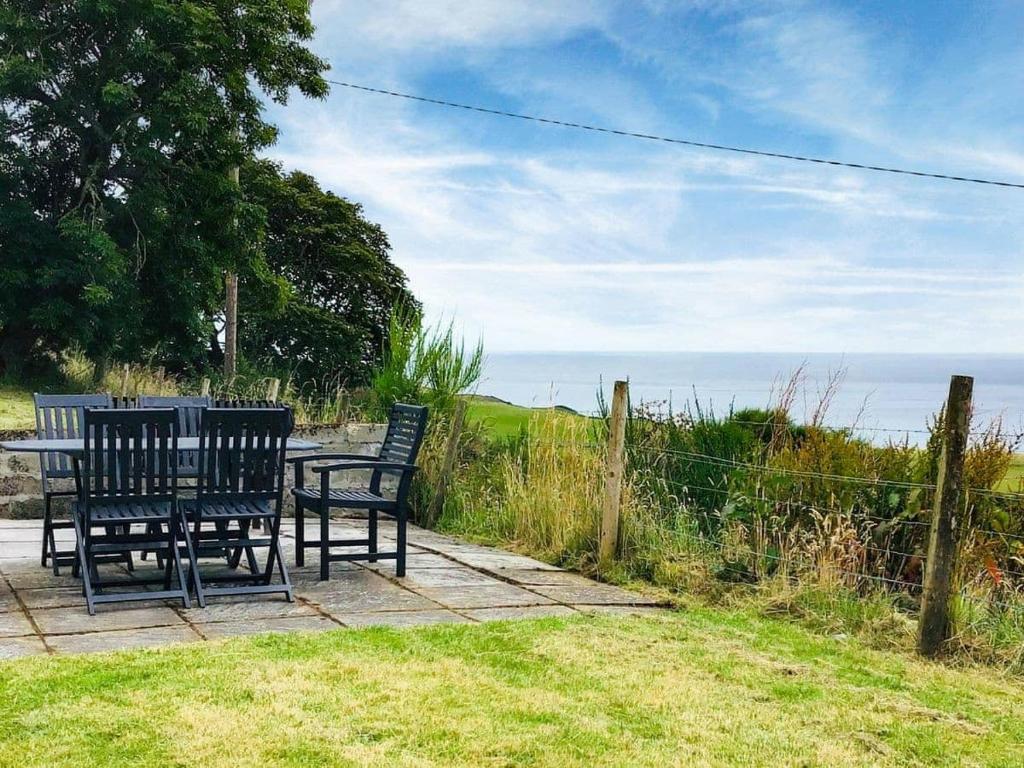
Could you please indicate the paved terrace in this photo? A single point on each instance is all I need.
(446, 581)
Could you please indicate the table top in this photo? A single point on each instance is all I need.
(76, 446)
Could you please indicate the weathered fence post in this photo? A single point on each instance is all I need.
(125, 372)
(613, 473)
(451, 453)
(204, 388)
(273, 389)
(933, 629)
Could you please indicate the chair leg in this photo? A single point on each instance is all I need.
(401, 540)
(49, 538)
(325, 542)
(193, 562)
(129, 562)
(83, 566)
(175, 554)
(300, 534)
(47, 522)
(282, 569)
(371, 530)
(250, 555)
(169, 560)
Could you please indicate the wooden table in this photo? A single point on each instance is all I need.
(75, 447)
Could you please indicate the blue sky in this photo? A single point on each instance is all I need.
(545, 238)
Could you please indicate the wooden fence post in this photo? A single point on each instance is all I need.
(451, 453)
(934, 625)
(613, 474)
(204, 388)
(273, 389)
(125, 372)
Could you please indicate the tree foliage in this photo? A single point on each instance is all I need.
(118, 122)
(339, 285)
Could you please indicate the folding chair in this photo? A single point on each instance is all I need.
(241, 480)
(60, 417)
(129, 477)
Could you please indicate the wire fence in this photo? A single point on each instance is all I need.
(753, 531)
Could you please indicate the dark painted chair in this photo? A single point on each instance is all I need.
(59, 417)
(189, 410)
(129, 478)
(241, 481)
(397, 460)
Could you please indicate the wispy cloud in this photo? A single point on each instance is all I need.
(540, 237)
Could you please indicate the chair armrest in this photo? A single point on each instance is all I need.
(300, 460)
(392, 466)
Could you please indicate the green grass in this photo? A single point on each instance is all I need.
(16, 410)
(500, 418)
(705, 687)
(1014, 479)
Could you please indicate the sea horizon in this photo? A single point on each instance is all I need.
(881, 395)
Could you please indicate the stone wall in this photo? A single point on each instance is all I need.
(21, 489)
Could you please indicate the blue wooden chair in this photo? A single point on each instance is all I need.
(129, 478)
(240, 482)
(60, 417)
(397, 460)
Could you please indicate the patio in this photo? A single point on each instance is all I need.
(446, 581)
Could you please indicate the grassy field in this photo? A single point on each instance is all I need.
(501, 419)
(16, 411)
(1014, 479)
(704, 687)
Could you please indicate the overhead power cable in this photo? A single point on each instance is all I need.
(684, 142)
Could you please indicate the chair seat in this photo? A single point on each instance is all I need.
(358, 498)
(232, 509)
(127, 512)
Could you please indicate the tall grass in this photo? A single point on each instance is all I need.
(802, 519)
(422, 364)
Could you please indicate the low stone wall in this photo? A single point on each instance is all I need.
(21, 488)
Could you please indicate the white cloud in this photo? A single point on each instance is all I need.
(564, 240)
(416, 24)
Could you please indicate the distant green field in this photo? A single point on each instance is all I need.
(502, 419)
(1015, 477)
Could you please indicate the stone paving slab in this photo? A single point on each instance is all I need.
(246, 610)
(59, 621)
(446, 581)
(123, 640)
(15, 625)
(311, 623)
(57, 597)
(445, 577)
(496, 595)
(16, 647)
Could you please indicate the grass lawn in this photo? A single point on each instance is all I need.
(16, 409)
(502, 419)
(704, 687)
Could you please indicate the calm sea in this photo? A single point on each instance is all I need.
(897, 392)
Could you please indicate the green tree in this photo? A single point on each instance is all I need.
(118, 121)
(319, 306)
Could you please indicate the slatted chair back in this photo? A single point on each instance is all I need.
(190, 413)
(406, 425)
(62, 417)
(124, 402)
(130, 455)
(241, 454)
(257, 404)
